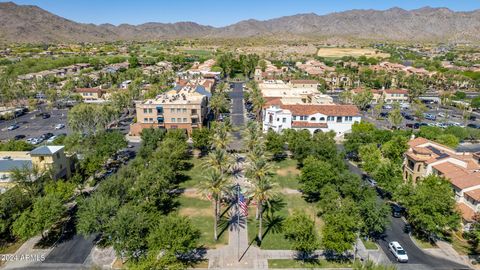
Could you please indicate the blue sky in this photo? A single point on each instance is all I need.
(218, 12)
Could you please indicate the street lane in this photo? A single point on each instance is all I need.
(417, 259)
(237, 115)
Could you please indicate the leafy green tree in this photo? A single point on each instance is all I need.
(12, 203)
(150, 140)
(363, 99)
(61, 189)
(370, 156)
(374, 214)
(202, 138)
(16, 146)
(395, 148)
(315, 175)
(95, 213)
(174, 234)
(127, 231)
(341, 227)
(475, 103)
(44, 213)
(448, 140)
(431, 207)
(300, 230)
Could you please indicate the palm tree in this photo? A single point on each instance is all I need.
(262, 193)
(222, 137)
(258, 169)
(218, 102)
(218, 159)
(253, 135)
(214, 186)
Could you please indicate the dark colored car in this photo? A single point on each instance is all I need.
(472, 126)
(397, 210)
(472, 118)
(408, 117)
(384, 114)
(45, 115)
(19, 137)
(47, 136)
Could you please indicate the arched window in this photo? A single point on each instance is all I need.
(313, 119)
(317, 131)
(322, 118)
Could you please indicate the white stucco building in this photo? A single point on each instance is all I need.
(312, 117)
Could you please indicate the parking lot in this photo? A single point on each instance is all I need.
(443, 117)
(34, 126)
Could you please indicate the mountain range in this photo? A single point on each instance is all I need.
(26, 23)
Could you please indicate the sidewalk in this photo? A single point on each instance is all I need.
(27, 256)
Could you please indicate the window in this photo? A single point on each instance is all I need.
(145, 120)
(151, 120)
(58, 155)
(322, 118)
(172, 110)
(179, 120)
(194, 111)
(144, 110)
(159, 110)
(184, 110)
(313, 119)
(150, 110)
(339, 119)
(179, 110)
(348, 119)
(160, 119)
(294, 118)
(278, 119)
(174, 120)
(330, 118)
(185, 120)
(284, 120)
(194, 120)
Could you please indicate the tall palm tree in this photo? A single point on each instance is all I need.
(214, 186)
(218, 159)
(222, 137)
(218, 103)
(252, 136)
(259, 169)
(262, 193)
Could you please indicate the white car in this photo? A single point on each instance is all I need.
(36, 141)
(51, 139)
(59, 126)
(398, 251)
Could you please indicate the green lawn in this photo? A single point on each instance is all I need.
(369, 244)
(422, 243)
(194, 174)
(272, 236)
(200, 53)
(286, 173)
(301, 264)
(200, 212)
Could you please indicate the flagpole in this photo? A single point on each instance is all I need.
(238, 221)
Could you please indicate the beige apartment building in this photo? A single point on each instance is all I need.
(425, 157)
(186, 109)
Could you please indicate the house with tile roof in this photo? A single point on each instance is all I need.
(312, 117)
(461, 169)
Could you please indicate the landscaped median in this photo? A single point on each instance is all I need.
(308, 264)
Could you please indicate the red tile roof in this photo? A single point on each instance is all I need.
(329, 110)
(474, 194)
(302, 124)
(396, 91)
(467, 213)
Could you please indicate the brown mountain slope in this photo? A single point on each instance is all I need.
(19, 23)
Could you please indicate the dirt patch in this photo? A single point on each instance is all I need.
(288, 171)
(195, 212)
(355, 52)
(192, 193)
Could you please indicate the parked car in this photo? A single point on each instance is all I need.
(384, 114)
(473, 126)
(38, 140)
(19, 137)
(51, 139)
(47, 136)
(59, 126)
(398, 251)
(13, 127)
(397, 210)
(430, 117)
(418, 125)
(45, 115)
(369, 180)
(408, 117)
(441, 114)
(472, 118)
(387, 107)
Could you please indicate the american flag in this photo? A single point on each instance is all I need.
(242, 203)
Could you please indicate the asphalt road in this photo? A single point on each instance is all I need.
(237, 112)
(417, 259)
(32, 126)
(74, 250)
